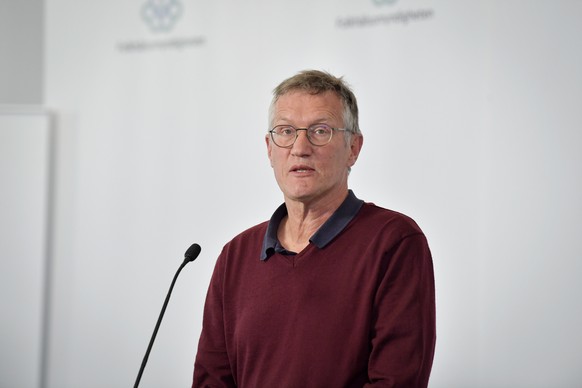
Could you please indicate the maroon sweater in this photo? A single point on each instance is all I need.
(359, 311)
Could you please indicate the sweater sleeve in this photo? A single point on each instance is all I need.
(212, 366)
(403, 332)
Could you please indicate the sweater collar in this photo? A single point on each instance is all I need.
(324, 235)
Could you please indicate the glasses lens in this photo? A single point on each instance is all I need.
(283, 135)
(320, 134)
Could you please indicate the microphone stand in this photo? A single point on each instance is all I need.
(190, 255)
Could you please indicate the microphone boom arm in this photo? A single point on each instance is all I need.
(191, 254)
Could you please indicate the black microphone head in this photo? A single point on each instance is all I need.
(192, 252)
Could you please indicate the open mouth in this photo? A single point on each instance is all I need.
(301, 169)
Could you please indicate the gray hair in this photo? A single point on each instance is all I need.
(316, 82)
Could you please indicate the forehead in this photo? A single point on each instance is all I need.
(302, 103)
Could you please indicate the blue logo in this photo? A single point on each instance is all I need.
(161, 15)
(384, 2)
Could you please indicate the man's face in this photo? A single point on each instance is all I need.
(305, 172)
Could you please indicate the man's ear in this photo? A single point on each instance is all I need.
(357, 142)
(269, 148)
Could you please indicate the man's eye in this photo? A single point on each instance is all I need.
(286, 131)
(320, 130)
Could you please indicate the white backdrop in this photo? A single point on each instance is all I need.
(470, 113)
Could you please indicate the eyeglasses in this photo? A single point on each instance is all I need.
(284, 136)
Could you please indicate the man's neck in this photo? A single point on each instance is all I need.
(304, 218)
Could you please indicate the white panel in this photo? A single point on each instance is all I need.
(24, 156)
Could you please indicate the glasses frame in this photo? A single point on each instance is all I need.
(271, 131)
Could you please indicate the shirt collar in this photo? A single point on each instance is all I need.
(327, 232)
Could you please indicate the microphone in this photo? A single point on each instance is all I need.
(190, 255)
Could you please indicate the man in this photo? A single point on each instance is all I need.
(332, 291)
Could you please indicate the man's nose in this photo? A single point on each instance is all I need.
(302, 144)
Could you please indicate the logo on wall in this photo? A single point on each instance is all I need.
(377, 18)
(384, 2)
(161, 15)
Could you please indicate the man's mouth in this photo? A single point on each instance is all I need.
(301, 169)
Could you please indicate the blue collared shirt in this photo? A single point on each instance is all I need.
(327, 232)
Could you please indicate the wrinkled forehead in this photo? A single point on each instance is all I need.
(306, 100)
(301, 104)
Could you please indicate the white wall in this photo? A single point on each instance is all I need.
(471, 123)
(21, 51)
(531, 213)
